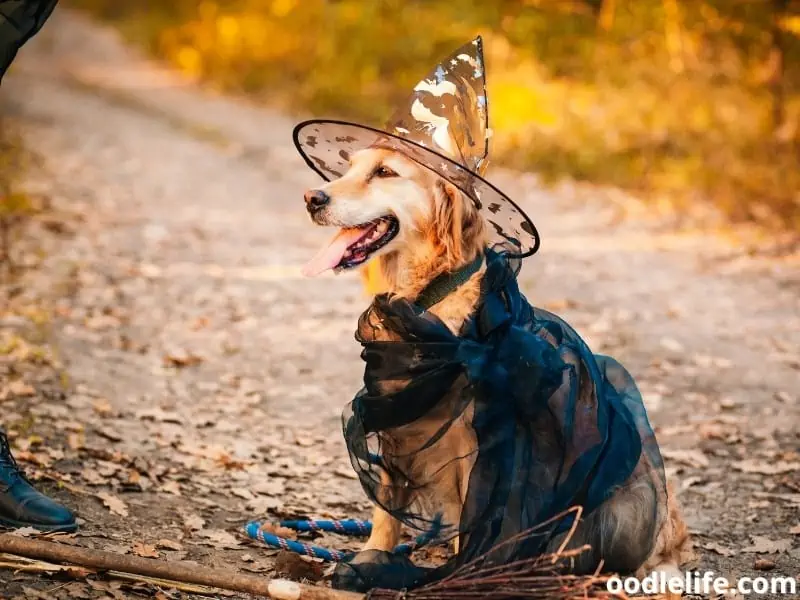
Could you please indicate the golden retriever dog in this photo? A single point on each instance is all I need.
(412, 225)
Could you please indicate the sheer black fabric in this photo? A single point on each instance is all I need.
(540, 422)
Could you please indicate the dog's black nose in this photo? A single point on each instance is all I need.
(316, 199)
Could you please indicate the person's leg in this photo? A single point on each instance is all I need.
(19, 21)
(21, 505)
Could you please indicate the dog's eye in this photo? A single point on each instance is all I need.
(383, 172)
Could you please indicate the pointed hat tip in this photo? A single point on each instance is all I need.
(478, 41)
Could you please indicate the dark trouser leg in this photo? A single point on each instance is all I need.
(21, 505)
(19, 21)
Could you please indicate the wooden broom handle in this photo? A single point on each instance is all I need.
(279, 589)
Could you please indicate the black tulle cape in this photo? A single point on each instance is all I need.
(553, 425)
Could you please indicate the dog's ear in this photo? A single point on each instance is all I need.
(457, 223)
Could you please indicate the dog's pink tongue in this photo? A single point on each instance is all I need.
(331, 255)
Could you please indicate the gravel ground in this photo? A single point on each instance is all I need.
(202, 377)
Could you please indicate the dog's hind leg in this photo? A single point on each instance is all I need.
(619, 532)
(672, 543)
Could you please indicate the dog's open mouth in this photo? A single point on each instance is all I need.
(352, 246)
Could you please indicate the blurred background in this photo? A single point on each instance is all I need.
(682, 102)
(167, 372)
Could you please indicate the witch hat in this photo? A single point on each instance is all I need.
(444, 126)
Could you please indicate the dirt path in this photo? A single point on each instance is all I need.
(205, 377)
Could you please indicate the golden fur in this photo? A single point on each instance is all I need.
(440, 231)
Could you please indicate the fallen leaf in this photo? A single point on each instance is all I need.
(35, 594)
(790, 498)
(671, 344)
(75, 441)
(259, 567)
(243, 493)
(292, 566)
(345, 472)
(764, 545)
(77, 590)
(690, 481)
(181, 358)
(114, 504)
(219, 538)
(108, 434)
(117, 548)
(102, 407)
(718, 548)
(26, 532)
(92, 477)
(160, 415)
(110, 588)
(171, 487)
(692, 458)
(274, 529)
(766, 468)
(169, 545)
(36, 458)
(144, 550)
(261, 505)
(270, 487)
(790, 483)
(228, 462)
(193, 522)
(20, 388)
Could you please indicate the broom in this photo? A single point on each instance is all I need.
(538, 578)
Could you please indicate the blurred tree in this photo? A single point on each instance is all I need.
(670, 98)
(777, 61)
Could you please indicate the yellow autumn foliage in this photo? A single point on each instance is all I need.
(670, 98)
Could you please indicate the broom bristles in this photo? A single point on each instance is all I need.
(541, 578)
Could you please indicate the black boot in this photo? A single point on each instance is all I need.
(21, 505)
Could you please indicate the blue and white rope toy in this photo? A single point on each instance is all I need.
(355, 527)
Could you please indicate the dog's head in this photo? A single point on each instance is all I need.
(387, 205)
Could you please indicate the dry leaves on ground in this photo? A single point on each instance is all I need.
(113, 503)
(718, 549)
(218, 538)
(275, 529)
(18, 389)
(193, 522)
(182, 358)
(144, 550)
(764, 545)
(166, 544)
(691, 458)
(766, 468)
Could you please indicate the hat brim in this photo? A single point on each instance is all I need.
(327, 145)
